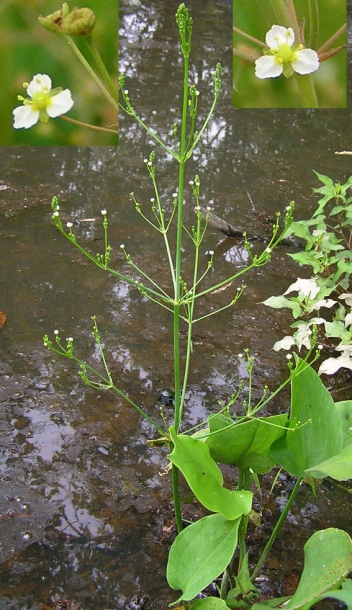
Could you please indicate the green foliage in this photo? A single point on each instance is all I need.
(204, 477)
(328, 251)
(327, 561)
(245, 444)
(200, 553)
(314, 433)
(208, 603)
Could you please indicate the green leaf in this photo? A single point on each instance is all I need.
(245, 444)
(344, 408)
(327, 560)
(281, 301)
(208, 603)
(204, 477)
(338, 467)
(314, 432)
(325, 180)
(270, 603)
(343, 595)
(200, 553)
(307, 258)
(336, 329)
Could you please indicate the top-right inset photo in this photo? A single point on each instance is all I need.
(289, 54)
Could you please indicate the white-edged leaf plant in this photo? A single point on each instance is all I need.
(312, 440)
(323, 301)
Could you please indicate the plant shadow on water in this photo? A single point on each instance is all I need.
(86, 507)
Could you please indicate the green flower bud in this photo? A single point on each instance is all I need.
(54, 21)
(78, 22)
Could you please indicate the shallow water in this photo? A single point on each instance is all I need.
(78, 457)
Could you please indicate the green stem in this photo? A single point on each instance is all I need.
(163, 229)
(332, 39)
(178, 406)
(294, 21)
(101, 67)
(249, 37)
(176, 497)
(313, 6)
(306, 90)
(277, 529)
(109, 385)
(190, 315)
(281, 12)
(81, 124)
(91, 72)
(177, 284)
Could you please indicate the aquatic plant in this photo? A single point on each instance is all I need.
(313, 440)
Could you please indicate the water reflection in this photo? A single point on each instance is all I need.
(84, 453)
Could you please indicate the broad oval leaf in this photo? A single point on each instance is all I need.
(246, 444)
(338, 467)
(200, 553)
(204, 477)
(327, 560)
(314, 432)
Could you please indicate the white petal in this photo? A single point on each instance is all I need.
(267, 67)
(307, 61)
(38, 83)
(25, 116)
(279, 35)
(60, 103)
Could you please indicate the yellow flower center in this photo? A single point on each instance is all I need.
(284, 54)
(41, 100)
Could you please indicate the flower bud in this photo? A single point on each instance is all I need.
(78, 22)
(54, 21)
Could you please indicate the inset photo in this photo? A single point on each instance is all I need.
(289, 54)
(59, 81)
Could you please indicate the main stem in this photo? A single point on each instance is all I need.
(177, 288)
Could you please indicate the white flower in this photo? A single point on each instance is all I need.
(307, 288)
(44, 102)
(283, 56)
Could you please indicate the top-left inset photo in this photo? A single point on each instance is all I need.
(59, 73)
